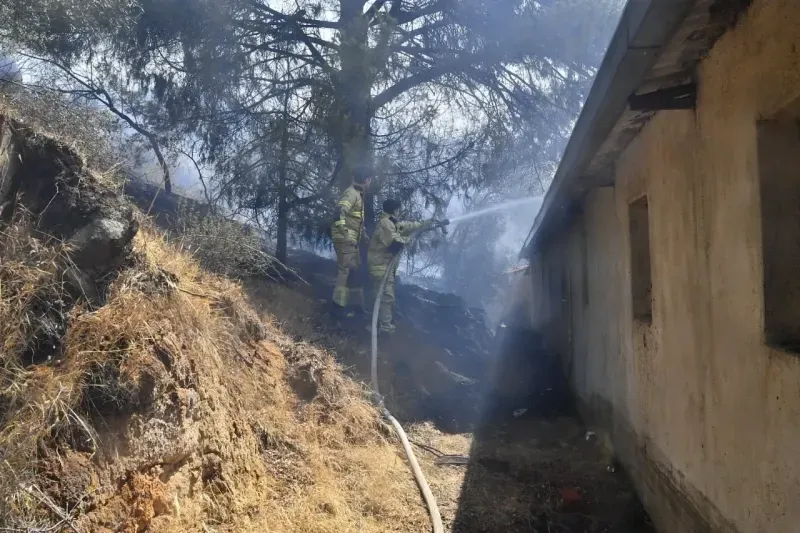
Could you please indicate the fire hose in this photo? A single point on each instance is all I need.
(430, 501)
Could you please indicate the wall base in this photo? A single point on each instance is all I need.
(673, 505)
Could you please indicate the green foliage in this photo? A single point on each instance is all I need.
(64, 27)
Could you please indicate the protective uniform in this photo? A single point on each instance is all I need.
(348, 227)
(388, 241)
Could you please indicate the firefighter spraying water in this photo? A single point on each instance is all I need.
(386, 246)
(391, 235)
(389, 239)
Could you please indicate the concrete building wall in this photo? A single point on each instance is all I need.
(705, 415)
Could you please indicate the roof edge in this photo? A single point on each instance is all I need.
(644, 30)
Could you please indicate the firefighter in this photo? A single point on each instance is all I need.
(388, 240)
(347, 233)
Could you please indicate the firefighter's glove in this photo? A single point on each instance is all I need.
(395, 248)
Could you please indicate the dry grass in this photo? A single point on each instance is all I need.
(176, 407)
(33, 403)
(226, 247)
(446, 481)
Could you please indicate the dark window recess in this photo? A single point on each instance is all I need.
(779, 183)
(641, 273)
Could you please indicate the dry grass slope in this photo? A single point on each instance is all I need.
(170, 404)
(174, 407)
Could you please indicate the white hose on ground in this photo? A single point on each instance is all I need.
(430, 501)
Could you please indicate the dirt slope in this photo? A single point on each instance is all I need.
(173, 407)
(149, 396)
(531, 467)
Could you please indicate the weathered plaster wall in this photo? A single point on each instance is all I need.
(700, 409)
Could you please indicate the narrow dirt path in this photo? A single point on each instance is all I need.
(527, 475)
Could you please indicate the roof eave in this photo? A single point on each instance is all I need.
(644, 30)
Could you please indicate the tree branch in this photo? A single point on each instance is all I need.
(285, 53)
(299, 17)
(296, 21)
(405, 17)
(460, 154)
(211, 202)
(102, 96)
(438, 70)
(326, 190)
(410, 34)
(321, 61)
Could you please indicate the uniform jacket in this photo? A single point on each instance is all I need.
(389, 238)
(349, 222)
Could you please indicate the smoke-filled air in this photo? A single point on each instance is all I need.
(222, 221)
(454, 106)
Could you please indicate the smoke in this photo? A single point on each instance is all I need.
(481, 250)
(9, 70)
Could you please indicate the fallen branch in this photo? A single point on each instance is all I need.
(452, 460)
(431, 449)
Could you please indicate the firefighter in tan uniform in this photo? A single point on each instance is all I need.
(388, 240)
(347, 233)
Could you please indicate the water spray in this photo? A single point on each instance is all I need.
(496, 208)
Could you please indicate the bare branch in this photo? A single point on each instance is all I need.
(101, 95)
(211, 201)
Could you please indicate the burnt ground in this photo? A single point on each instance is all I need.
(460, 389)
(456, 387)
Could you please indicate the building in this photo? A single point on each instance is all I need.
(665, 262)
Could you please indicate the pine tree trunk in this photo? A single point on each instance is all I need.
(283, 203)
(355, 84)
(283, 224)
(354, 90)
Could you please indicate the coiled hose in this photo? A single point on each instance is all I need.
(430, 501)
